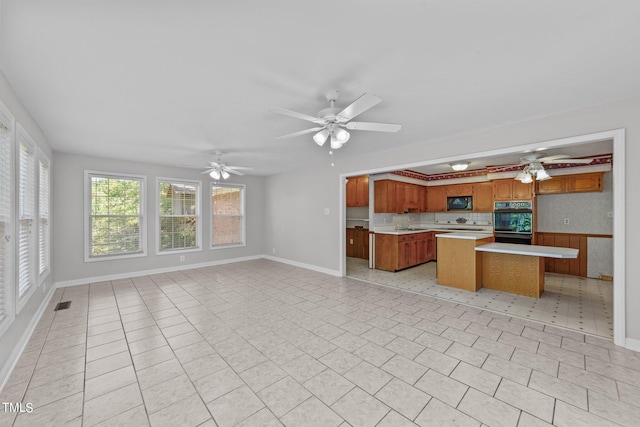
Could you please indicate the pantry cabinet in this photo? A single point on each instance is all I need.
(358, 191)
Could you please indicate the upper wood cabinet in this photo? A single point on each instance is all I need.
(358, 191)
(459, 190)
(579, 183)
(511, 189)
(483, 197)
(397, 197)
(437, 198)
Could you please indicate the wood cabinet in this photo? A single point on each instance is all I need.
(579, 183)
(398, 197)
(397, 252)
(358, 191)
(459, 190)
(358, 243)
(573, 267)
(483, 197)
(460, 265)
(437, 198)
(511, 189)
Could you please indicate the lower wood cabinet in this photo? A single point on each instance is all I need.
(397, 252)
(573, 267)
(358, 243)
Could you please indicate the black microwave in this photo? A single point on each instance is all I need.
(460, 203)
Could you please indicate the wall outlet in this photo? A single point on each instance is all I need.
(351, 241)
(566, 220)
(326, 211)
(181, 258)
(273, 250)
(609, 214)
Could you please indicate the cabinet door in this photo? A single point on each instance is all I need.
(385, 198)
(407, 254)
(503, 189)
(584, 182)
(522, 191)
(554, 185)
(362, 191)
(352, 190)
(483, 197)
(410, 196)
(460, 190)
(351, 242)
(422, 198)
(431, 247)
(437, 199)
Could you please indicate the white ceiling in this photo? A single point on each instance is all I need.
(169, 82)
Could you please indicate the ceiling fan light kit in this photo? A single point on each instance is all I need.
(335, 121)
(217, 170)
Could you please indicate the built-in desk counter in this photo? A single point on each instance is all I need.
(518, 269)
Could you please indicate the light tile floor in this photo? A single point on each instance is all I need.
(260, 343)
(578, 303)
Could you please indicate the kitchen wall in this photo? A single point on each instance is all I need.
(68, 209)
(586, 212)
(296, 199)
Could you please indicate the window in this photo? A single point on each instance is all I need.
(6, 208)
(228, 219)
(43, 216)
(115, 216)
(179, 215)
(26, 215)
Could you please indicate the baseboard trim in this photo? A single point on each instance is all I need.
(632, 344)
(10, 364)
(303, 265)
(95, 279)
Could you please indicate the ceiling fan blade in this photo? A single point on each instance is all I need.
(568, 160)
(554, 157)
(233, 171)
(358, 106)
(209, 170)
(297, 115)
(376, 127)
(244, 168)
(302, 132)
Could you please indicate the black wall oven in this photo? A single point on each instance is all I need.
(513, 222)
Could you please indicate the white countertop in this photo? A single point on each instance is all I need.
(532, 250)
(466, 235)
(428, 229)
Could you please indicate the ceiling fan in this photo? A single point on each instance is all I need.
(334, 121)
(534, 169)
(219, 170)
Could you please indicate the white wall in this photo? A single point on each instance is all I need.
(13, 339)
(296, 199)
(68, 210)
(586, 212)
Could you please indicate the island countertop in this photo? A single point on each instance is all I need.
(466, 235)
(531, 250)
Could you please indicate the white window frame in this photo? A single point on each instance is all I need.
(88, 174)
(7, 308)
(243, 227)
(23, 139)
(198, 215)
(44, 240)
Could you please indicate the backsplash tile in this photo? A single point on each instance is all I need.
(468, 218)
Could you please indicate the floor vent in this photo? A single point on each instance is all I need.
(62, 305)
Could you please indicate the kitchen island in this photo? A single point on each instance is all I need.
(459, 265)
(518, 269)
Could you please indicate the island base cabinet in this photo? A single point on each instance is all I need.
(459, 265)
(517, 274)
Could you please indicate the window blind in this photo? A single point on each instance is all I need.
(228, 219)
(43, 214)
(179, 215)
(5, 215)
(26, 202)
